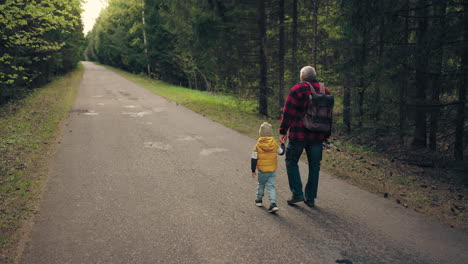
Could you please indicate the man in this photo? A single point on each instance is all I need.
(300, 138)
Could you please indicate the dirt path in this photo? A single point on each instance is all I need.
(139, 179)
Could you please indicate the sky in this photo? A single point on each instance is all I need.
(91, 10)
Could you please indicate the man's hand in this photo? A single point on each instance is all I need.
(254, 174)
(283, 138)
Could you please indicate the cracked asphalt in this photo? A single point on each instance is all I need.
(139, 179)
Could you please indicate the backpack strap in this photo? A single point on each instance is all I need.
(312, 89)
(322, 88)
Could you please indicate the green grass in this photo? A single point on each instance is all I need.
(401, 181)
(28, 129)
(356, 148)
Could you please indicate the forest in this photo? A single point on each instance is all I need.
(399, 68)
(40, 40)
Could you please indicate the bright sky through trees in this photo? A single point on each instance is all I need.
(91, 10)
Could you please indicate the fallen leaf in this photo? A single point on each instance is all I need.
(453, 211)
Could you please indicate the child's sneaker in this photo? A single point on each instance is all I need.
(273, 208)
(258, 202)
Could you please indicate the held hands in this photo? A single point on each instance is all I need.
(254, 174)
(283, 139)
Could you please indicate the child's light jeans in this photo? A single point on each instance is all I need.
(268, 179)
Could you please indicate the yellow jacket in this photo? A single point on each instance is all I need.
(267, 154)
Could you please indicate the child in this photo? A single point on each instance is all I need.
(265, 160)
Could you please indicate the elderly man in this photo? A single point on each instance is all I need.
(301, 138)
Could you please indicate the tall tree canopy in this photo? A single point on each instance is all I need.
(40, 39)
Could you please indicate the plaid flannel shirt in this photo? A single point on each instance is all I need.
(294, 111)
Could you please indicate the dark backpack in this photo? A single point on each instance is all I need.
(319, 114)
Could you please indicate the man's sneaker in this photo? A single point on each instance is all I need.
(295, 200)
(310, 203)
(258, 202)
(273, 208)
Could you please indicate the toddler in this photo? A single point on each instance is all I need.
(264, 159)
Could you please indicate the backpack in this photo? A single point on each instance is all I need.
(319, 114)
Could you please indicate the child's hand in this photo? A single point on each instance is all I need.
(254, 174)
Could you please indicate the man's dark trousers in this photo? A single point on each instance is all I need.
(314, 156)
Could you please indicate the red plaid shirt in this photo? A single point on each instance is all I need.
(294, 111)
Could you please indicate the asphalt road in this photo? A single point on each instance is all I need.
(140, 179)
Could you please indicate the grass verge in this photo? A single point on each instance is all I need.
(28, 129)
(408, 186)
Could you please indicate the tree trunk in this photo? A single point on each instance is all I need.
(420, 132)
(316, 7)
(294, 72)
(148, 70)
(262, 98)
(281, 55)
(380, 51)
(363, 83)
(195, 79)
(459, 146)
(439, 29)
(347, 102)
(404, 80)
(207, 82)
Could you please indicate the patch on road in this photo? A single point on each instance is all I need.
(209, 151)
(135, 114)
(157, 145)
(84, 112)
(189, 138)
(91, 113)
(158, 109)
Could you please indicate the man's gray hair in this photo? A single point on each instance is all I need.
(308, 72)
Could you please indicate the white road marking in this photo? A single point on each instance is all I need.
(142, 114)
(91, 113)
(188, 138)
(134, 114)
(206, 152)
(157, 145)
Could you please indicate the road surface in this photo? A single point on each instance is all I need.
(140, 179)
